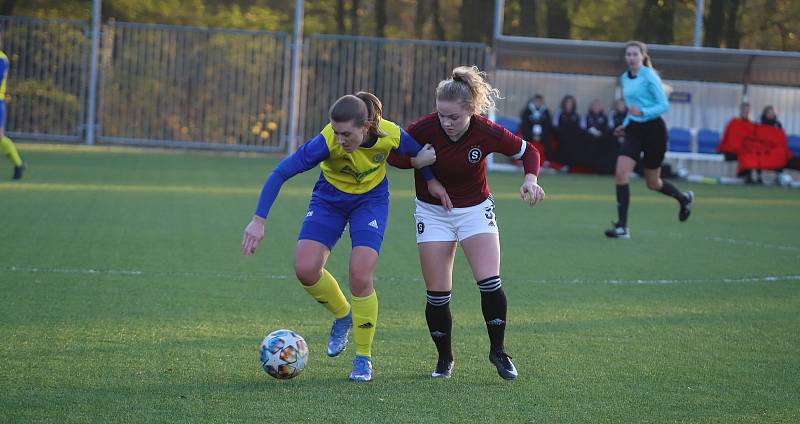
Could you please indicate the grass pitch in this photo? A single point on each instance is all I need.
(125, 298)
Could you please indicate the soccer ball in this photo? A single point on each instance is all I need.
(284, 354)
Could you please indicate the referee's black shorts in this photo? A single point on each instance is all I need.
(649, 138)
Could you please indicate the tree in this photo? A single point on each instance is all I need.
(476, 20)
(380, 18)
(714, 23)
(558, 22)
(438, 27)
(7, 7)
(656, 22)
(420, 17)
(354, 5)
(527, 17)
(340, 16)
(732, 33)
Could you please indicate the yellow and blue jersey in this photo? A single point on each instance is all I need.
(3, 79)
(3, 75)
(646, 92)
(346, 177)
(362, 170)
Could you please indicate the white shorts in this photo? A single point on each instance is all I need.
(434, 223)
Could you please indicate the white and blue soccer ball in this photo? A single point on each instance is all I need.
(284, 354)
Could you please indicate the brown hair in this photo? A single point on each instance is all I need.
(360, 108)
(646, 61)
(467, 85)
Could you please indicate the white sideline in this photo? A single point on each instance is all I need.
(731, 241)
(711, 157)
(247, 276)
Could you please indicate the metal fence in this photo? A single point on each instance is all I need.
(229, 89)
(402, 73)
(47, 77)
(169, 85)
(212, 88)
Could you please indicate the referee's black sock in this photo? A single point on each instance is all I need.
(623, 200)
(670, 190)
(494, 307)
(440, 322)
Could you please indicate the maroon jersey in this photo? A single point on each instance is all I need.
(461, 165)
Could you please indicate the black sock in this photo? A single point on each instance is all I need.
(672, 191)
(623, 200)
(440, 322)
(494, 307)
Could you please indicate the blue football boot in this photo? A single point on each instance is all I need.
(362, 369)
(340, 329)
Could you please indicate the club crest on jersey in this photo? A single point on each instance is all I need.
(379, 157)
(474, 155)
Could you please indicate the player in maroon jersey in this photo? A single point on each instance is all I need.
(462, 139)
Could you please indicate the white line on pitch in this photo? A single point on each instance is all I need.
(250, 276)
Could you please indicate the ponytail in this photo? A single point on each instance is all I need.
(374, 112)
(361, 108)
(467, 86)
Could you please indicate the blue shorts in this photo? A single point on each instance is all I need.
(367, 217)
(2, 114)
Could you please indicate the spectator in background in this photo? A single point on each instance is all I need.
(618, 115)
(596, 121)
(568, 128)
(769, 117)
(744, 112)
(730, 143)
(536, 123)
(568, 117)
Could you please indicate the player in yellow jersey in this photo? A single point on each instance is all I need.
(5, 143)
(352, 189)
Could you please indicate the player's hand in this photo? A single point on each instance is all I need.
(619, 131)
(253, 234)
(436, 189)
(635, 111)
(425, 157)
(530, 190)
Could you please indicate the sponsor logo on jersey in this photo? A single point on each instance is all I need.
(359, 176)
(475, 154)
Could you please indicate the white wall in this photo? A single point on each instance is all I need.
(712, 104)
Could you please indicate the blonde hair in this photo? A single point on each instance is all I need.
(467, 86)
(359, 108)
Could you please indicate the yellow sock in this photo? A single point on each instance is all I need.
(365, 318)
(327, 292)
(8, 148)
